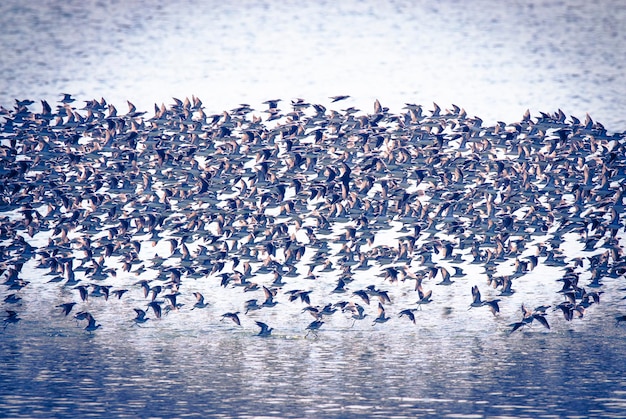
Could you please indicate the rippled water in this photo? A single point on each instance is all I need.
(494, 59)
(421, 372)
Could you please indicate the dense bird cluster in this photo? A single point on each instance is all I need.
(319, 209)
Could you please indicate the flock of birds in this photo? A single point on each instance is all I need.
(324, 211)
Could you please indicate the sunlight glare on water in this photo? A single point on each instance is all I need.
(539, 55)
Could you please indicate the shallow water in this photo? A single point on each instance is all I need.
(454, 362)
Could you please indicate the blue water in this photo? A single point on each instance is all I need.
(339, 374)
(495, 60)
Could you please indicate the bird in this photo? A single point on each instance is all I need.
(265, 329)
(382, 295)
(313, 311)
(303, 295)
(363, 294)
(382, 318)
(272, 103)
(156, 307)
(84, 292)
(327, 310)
(91, 326)
(541, 318)
(146, 288)
(269, 297)
(506, 287)
(446, 276)
(234, 316)
(11, 318)
(67, 98)
(338, 98)
(314, 326)
(155, 291)
(477, 302)
(252, 305)
(82, 315)
(528, 316)
(358, 312)
(67, 307)
(12, 299)
(458, 272)
(119, 293)
(619, 319)
(140, 318)
(199, 301)
(409, 313)
(173, 305)
(424, 297)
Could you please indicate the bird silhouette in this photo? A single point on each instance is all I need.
(409, 313)
(477, 302)
(265, 329)
(528, 316)
(11, 318)
(358, 312)
(156, 307)
(140, 318)
(67, 307)
(199, 301)
(91, 325)
(424, 297)
(382, 318)
(314, 326)
(233, 316)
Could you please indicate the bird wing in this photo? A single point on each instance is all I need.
(493, 305)
(541, 319)
(476, 294)
(516, 326)
(427, 295)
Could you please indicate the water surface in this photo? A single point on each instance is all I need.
(494, 59)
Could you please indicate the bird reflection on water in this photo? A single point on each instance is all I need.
(87, 191)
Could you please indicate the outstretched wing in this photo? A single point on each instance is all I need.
(541, 319)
